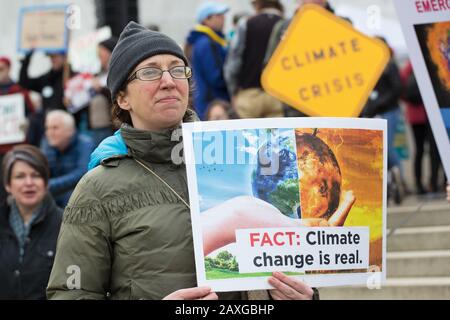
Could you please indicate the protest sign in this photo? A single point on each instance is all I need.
(426, 27)
(43, 28)
(323, 66)
(306, 196)
(12, 118)
(83, 51)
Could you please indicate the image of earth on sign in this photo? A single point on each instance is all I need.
(302, 180)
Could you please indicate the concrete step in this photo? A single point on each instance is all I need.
(419, 238)
(419, 215)
(394, 289)
(433, 263)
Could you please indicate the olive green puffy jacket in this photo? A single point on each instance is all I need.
(125, 235)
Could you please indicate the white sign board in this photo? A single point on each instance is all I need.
(305, 196)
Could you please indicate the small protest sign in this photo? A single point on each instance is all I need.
(306, 196)
(83, 55)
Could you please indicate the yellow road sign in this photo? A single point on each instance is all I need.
(323, 66)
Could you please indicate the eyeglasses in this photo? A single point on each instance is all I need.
(152, 73)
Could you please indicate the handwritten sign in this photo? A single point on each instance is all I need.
(43, 28)
(12, 118)
(323, 66)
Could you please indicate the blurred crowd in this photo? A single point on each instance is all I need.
(62, 129)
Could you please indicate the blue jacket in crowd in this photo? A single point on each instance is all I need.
(207, 59)
(67, 168)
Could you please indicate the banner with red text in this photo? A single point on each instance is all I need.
(426, 27)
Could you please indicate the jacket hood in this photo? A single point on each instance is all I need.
(130, 142)
(7, 85)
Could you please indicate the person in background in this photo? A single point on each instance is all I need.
(29, 225)
(100, 124)
(245, 61)
(67, 152)
(281, 26)
(7, 87)
(50, 84)
(208, 48)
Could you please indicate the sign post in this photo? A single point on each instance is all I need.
(426, 27)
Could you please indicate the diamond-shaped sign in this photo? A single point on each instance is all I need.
(323, 66)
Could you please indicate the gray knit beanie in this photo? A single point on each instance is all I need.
(136, 44)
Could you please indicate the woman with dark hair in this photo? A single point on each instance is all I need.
(29, 225)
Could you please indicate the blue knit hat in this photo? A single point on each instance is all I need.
(136, 44)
